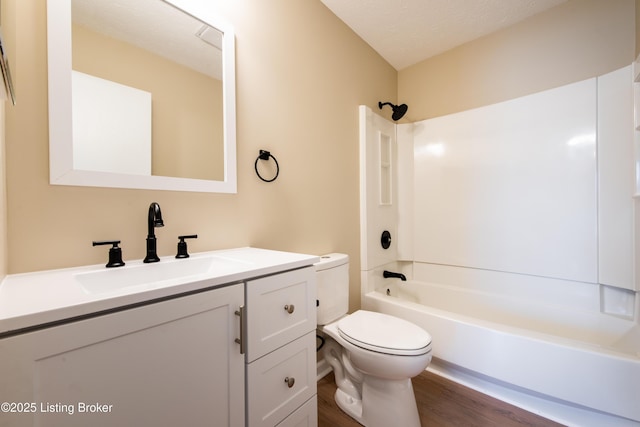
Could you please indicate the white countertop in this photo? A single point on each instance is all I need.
(32, 299)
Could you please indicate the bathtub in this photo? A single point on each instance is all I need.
(577, 367)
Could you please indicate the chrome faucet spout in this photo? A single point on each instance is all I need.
(154, 220)
(387, 274)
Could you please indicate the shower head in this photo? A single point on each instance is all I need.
(398, 110)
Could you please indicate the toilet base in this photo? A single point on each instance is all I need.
(350, 405)
(386, 403)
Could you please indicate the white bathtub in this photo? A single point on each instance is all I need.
(576, 366)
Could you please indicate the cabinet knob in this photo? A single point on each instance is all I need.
(290, 381)
(289, 308)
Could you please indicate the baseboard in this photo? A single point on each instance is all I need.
(322, 369)
(552, 409)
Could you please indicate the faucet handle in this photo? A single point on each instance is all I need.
(182, 245)
(115, 253)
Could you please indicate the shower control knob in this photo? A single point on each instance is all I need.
(290, 381)
(289, 308)
(385, 239)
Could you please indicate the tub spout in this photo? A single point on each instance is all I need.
(386, 274)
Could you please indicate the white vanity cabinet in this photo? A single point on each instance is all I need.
(228, 344)
(281, 349)
(169, 363)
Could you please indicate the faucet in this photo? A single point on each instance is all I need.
(386, 274)
(155, 220)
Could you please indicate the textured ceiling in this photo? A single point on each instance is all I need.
(155, 26)
(405, 32)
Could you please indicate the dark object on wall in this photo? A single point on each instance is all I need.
(398, 110)
(385, 239)
(9, 90)
(265, 155)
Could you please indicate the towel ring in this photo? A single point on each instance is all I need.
(265, 155)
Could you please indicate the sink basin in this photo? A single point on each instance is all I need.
(117, 279)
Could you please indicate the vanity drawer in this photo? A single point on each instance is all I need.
(282, 308)
(281, 381)
(304, 416)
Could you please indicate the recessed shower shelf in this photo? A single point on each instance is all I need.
(385, 170)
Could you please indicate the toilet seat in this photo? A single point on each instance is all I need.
(386, 334)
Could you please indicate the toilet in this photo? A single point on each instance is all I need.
(373, 355)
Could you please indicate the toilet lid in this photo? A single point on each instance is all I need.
(384, 334)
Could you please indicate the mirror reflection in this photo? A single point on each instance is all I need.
(147, 90)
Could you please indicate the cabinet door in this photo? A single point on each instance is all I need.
(282, 308)
(166, 364)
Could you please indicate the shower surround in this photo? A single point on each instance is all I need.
(515, 223)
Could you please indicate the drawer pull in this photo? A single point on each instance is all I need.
(290, 381)
(289, 308)
(240, 313)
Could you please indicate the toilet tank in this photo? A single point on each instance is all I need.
(332, 287)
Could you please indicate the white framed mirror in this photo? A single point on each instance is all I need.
(127, 121)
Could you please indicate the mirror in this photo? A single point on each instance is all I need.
(155, 119)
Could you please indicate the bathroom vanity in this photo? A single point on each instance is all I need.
(222, 338)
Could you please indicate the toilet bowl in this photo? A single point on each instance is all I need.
(373, 355)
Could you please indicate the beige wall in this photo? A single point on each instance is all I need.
(574, 41)
(7, 13)
(3, 199)
(301, 74)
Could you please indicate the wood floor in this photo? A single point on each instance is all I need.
(441, 403)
